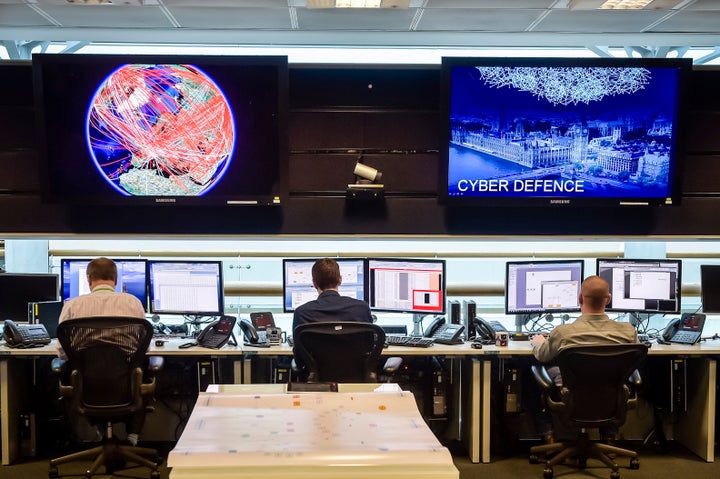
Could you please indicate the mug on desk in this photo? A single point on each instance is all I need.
(501, 338)
(275, 335)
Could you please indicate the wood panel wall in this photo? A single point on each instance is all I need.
(390, 117)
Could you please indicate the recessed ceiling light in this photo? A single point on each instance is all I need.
(624, 4)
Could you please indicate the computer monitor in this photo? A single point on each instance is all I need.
(132, 278)
(710, 287)
(642, 285)
(298, 288)
(191, 288)
(17, 290)
(407, 285)
(540, 287)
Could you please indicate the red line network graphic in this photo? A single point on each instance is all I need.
(160, 130)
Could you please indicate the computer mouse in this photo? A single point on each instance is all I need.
(476, 345)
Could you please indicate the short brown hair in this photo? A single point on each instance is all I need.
(102, 269)
(326, 274)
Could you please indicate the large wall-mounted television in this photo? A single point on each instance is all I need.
(406, 285)
(561, 131)
(298, 287)
(543, 286)
(642, 285)
(131, 278)
(161, 129)
(188, 288)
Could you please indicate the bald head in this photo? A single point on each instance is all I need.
(594, 295)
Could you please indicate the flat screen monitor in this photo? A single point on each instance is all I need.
(561, 131)
(132, 278)
(19, 289)
(539, 287)
(161, 129)
(191, 288)
(407, 285)
(298, 288)
(710, 287)
(642, 285)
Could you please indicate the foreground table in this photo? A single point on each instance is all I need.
(250, 431)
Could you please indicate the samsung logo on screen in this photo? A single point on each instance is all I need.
(559, 202)
(164, 200)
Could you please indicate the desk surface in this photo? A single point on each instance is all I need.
(171, 347)
(273, 434)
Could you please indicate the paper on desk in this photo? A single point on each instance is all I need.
(336, 429)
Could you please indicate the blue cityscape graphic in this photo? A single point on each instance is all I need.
(566, 132)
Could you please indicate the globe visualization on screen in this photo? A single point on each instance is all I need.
(160, 130)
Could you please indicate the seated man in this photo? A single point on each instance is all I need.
(592, 327)
(330, 305)
(103, 300)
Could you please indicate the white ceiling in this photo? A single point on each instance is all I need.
(426, 23)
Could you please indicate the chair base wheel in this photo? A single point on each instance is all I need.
(155, 475)
(615, 475)
(533, 459)
(53, 472)
(634, 463)
(548, 473)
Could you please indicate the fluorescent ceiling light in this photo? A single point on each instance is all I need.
(358, 3)
(624, 4)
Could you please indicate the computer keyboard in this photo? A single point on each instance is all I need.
(413, 341)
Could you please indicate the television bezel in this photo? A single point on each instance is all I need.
(443, 301)
(225, 196)
(64, 261)
(678, 282)
(311, 261)
(151, 294)
(684, 67)
(549, 262)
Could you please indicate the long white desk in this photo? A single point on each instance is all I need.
(696, 430)
(254, 430)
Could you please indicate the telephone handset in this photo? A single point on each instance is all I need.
(217, 334)
(672, 327)
(485, 331)
(445, 333)
(252, 338)
(25, 335)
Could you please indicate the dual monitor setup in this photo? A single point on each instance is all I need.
(396, 285)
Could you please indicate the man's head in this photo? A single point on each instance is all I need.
(101, 271)
(326, 274)
(594, 295)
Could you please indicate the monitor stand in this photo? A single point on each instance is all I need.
(417, 321)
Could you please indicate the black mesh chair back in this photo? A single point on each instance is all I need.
(595, 390)
(106, 360)
(595, 393)
(339, 351)
(106, 356)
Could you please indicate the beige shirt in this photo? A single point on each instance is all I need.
(102, 301)
(586, 330)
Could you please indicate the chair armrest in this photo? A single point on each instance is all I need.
(541, 376)
(635, 379)
(58, 365)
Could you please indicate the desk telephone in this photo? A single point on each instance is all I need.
(255, 331)
(445, 333)
(216, 334)
(686, 329)
(485, 330)
(25, 335)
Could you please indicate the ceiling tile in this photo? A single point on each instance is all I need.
(114, 16)
(348, 19)
(20, 16)
(585, 21)
(476, 20)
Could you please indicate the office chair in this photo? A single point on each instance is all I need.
(596, 393)
(103, 381)
(339, 351)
